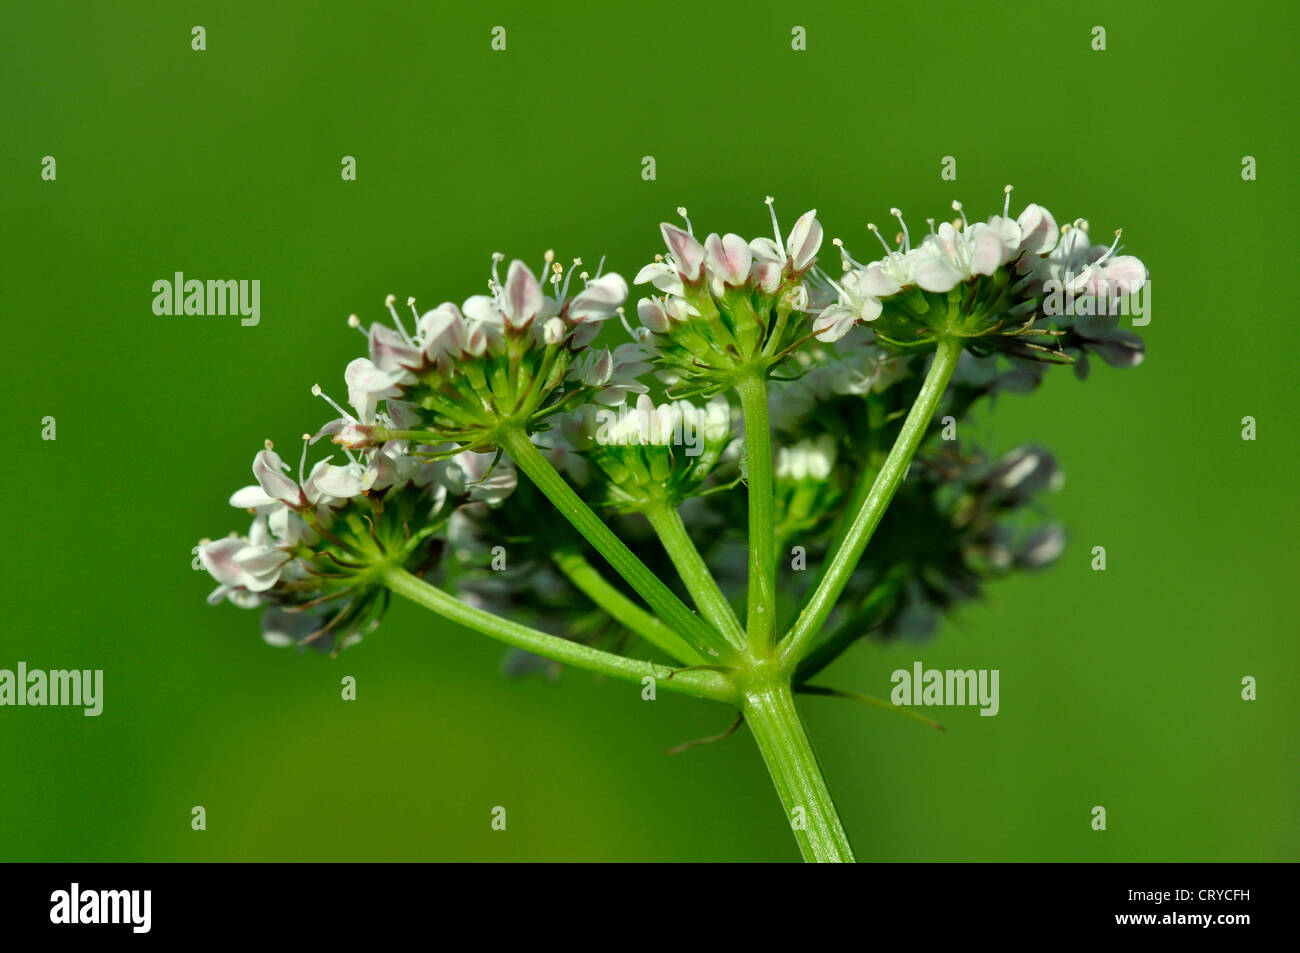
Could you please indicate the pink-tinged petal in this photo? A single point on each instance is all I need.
(876, 283)
(523, 296)
(269, 472)
(600, 299)
(483, 309)
(870, 309)
(729, 258)
(218, 558)
(331, 428)
(367, 385)
(250, 498)
(766, 275)
(805, 240)
(688, 253)
(1008, 232)
(833, 323)
(260, 560)
(1038, 230)
(935, 273)
(583, 335)
(946, 236)
(988, 253)
(653, 315)
(598, 369)
(436, 323)
(474, 342)
(1126, 273)
(342, 483)
(389, 350)
(404, 414)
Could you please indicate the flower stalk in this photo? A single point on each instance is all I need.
(647, 585)
(700, 683)
(797, 643)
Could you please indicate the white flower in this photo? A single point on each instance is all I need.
(807, 459)
(953, 255)
(1083, 268)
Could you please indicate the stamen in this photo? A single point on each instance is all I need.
(871, 227)
(956, 207)
(930, 222)
(267, 443)
(681, 210)
(495, 281)
(1113, 245)
(564, 292)
(302, 461)
(1006, 202)
(410, 303)
(317, 392)
(622, 316)
(907, 239)
(600, 265)
(847, 261)
(389, 303)
(776, 228)
(355, 322)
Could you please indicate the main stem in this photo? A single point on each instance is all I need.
(891, 476)
(761, 603)
(647, 585)
(778, 730)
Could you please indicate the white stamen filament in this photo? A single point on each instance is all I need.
(907, 239)
(317, 392)
(776, 228)
(389, 303)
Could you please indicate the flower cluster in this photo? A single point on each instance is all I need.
(647, 453)
(512, 357)
(316, 546)
(987, 282)
(726, 305)
(843, 357)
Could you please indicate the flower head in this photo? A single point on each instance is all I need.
(317, 547)
(727, 305)
(502, 358)
(984, 282)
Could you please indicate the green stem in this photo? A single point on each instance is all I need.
(850, 630)
(701, 683)
(761, 603)
(778, 730)
(867, 518)
(589, 581)
(647, 585)
(709, 599)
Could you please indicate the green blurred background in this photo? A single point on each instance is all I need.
(1119, 688)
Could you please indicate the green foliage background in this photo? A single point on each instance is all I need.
(1119, 688)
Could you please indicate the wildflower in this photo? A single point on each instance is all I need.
(983, 282)
(315, 552)
(728, 306)
(506, 358)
